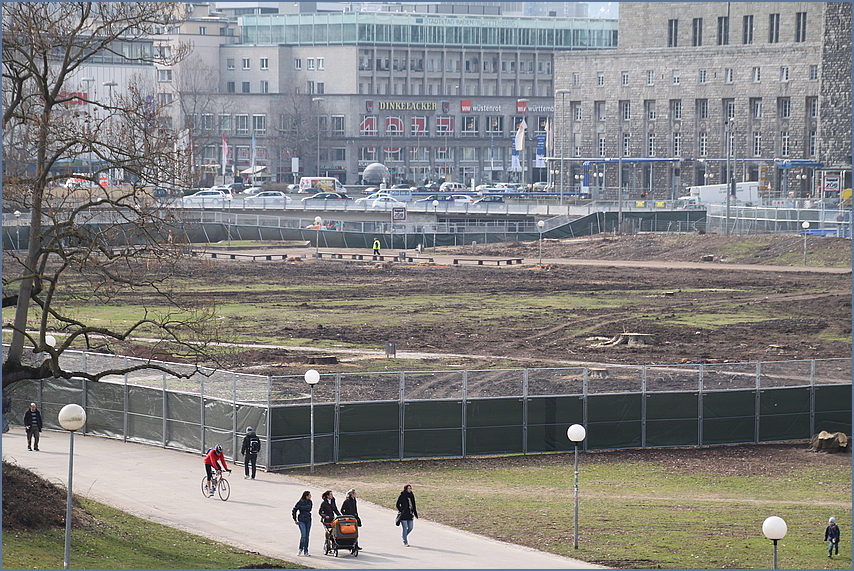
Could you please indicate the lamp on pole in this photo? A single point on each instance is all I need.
(17, 229)
(540, 225)
(435, 223)
(805, 226)
(729, 146)
(72, 417)
(562, 93)
(317, 222)
(318, 100)
(576, 433)
(775, 529)
(312, 377)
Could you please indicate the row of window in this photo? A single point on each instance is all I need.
(703, 76)
(784, 109)
(471, 65)
(246, 64)
(747, 30)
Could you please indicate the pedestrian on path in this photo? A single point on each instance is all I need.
(349, 507)
(376, 246)
(302, 517)
(250, 449)
(407, 511)
(33, 425)
(328, 510)
(831, 536)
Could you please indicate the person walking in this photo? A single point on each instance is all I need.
(33, 425)
(831, 536)
(250, 449)
(302, 517)
(328, 510)
(376, 246)
(406, 512)
(212, 461)
(350, 507)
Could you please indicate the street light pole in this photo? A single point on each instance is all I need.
(576, 433)
(563, 93)
(775, 529)
(317, 222)
(540, 225)
(805, 226)
(18, 229)
(312, 377)
(72, 417)
(435, 223)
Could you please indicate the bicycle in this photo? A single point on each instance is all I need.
(220, 485)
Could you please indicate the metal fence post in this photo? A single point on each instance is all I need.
(757, 402)
(643, 406)
(464, 411)
(202, 412)
(165, 412)
(126, 426)
(269, 448)
(584, 397)
(700, 406)
(234, 437)
(812, 397)
(524, 411)
(336, 421)
(401, 416)
(85, 400)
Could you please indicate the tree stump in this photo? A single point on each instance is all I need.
(597, 373)
(830, 442)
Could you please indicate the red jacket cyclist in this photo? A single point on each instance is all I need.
(212, 460)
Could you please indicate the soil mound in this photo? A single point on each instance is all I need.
(32, 503)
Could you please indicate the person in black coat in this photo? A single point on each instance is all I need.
(407, 510)
(251, 447)
(33, 424)
(349, 507)
(302, 517)
(328, 510)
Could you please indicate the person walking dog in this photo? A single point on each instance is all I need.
(406, 511)
(33, 424)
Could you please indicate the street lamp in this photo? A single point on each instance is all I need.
(774, 529)
(317, 222)
(72, 417)
(805, 226)
(576, 433)
(729, 146)
(435, 223)
(18, 229)
(318, 100)
(562, 93)
(312, 377)
(540, 225)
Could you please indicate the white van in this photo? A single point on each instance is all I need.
(324, 183)
(453, 187)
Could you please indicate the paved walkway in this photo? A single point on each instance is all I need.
(165, 486)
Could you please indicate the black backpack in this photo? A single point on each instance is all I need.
(254, 445)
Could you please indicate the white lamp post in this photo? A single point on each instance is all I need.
(540, 225)
(317, 222)
(312, 377)
(576, 433)
(18, 229)
(435, 223)
(72, 417)
(774, 529)
(805, 226)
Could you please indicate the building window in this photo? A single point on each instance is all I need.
(321, 87)
(650, 110)
(164, 75)
(265, 63)
(784, 143)
(309, 87)
(747, 30)
(813, 73)
(368, 154)
(624, 78)
(576, 79)
(701, 77)
(677, 109)
(600, 79)
(246, 63)
(785, 108)
(703, 108)
(241, 124)
(672, 33)
(224, 123)
(675, 77)
(812, 107)
(309, 64)
(600, 110)
(229, 86)
(576, 111)
(723, 31)
(650, 77)
(801, 27)
(203, 30)
(321, 64)
(627, 147)
(812, 143)
(264, 87)
(207, 122)
(728, 75)
(677, 144)
(757, 75)
(229, 63)
(650, 144)
(259, 124)
(757, 144)
(495, 125)
(297, 63)
(245, 87)
(784, 73)
(730, 109)
(626, 110)
(601, 145)
(164, 99)
(368, 126)
(470, 127)
(697, 32)
(703, 144)
(773, 28)
(338, 125)
(757, 108)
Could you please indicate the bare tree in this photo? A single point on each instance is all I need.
(98, 244)
(296, 132)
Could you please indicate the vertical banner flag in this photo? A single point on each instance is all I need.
(252, 158)
(515, 165)
(224, 154)
(540, 161)
(520, 135)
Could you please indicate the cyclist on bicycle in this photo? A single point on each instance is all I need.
(212, 461)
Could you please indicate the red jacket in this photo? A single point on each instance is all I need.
(212, 458)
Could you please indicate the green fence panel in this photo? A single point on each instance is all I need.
(548, 419)
(435, 442)
(288, 421)
(297, 451)
(145, 429)
(356, 447)
(494, 440)
(105, 410)
(435, 414)
(218, 415)
(671, 419)
(147, 402)
(614, 421)
(56, 394)
(369, 417)
(494, 412)
(833, 409)
(183, 436)
(183, 407)
(729, 417)
(784, 414)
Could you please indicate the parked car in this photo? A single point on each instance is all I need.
(208, 197)
(386, 202)
(452, 186)
(461, 198)
(372, 197)
(268, 198)
(327, 196)
(490, 199)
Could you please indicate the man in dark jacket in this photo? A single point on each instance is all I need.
(33, 424)
(250, 449)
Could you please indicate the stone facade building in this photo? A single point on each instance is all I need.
(765, 84)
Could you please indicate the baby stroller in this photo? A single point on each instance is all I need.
(342, 533)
